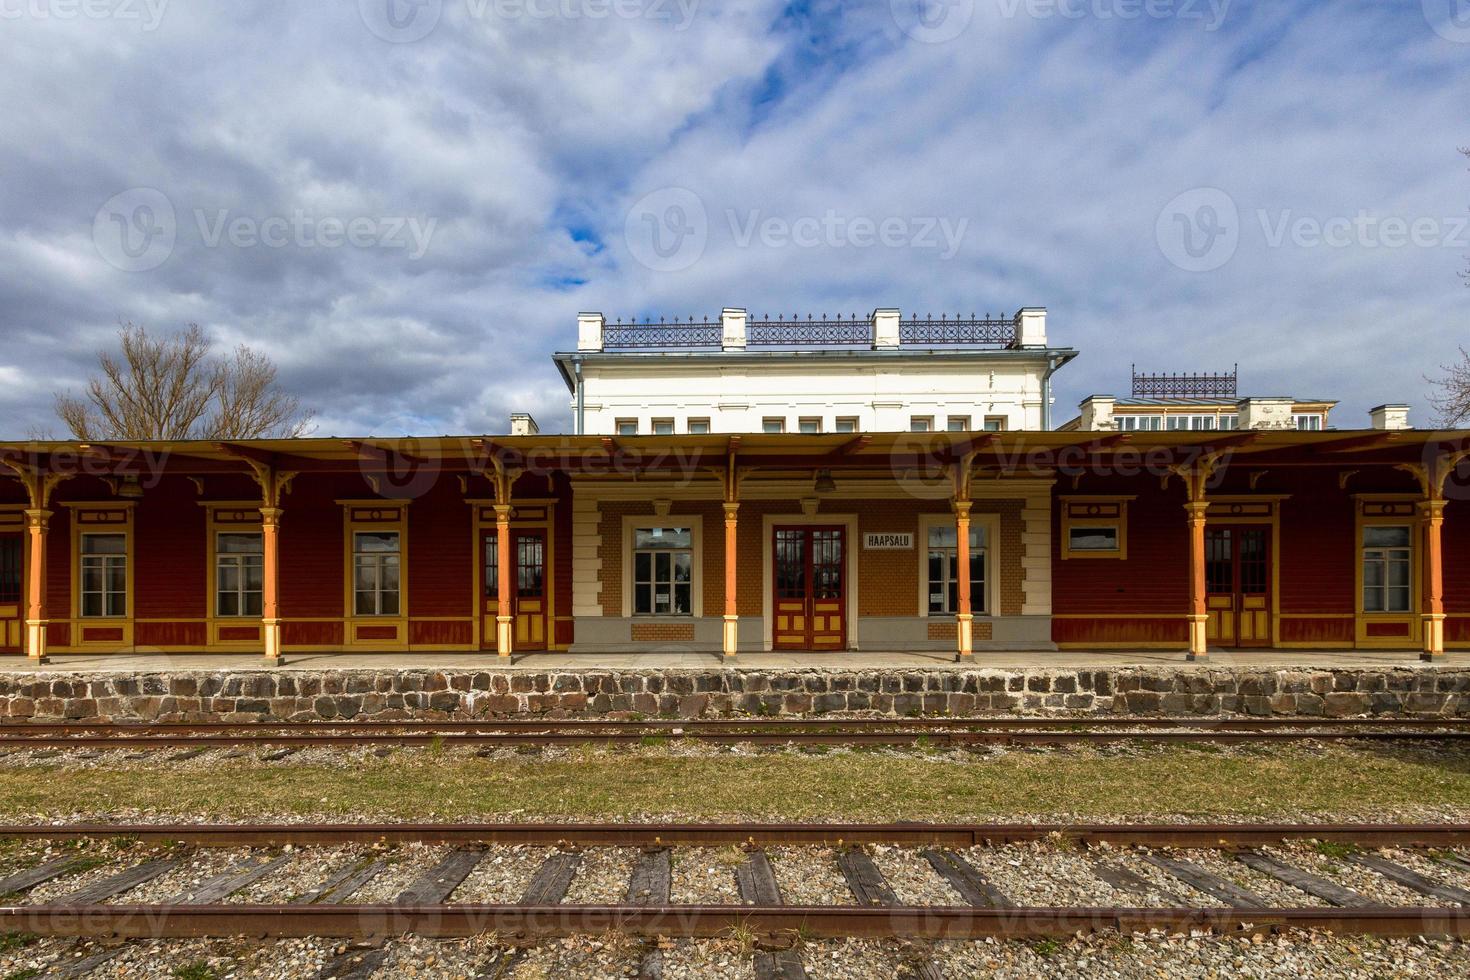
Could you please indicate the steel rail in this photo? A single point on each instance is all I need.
(445, 921)
(602, 834)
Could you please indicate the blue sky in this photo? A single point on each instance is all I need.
(406, 202)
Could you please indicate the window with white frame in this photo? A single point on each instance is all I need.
(921, 423)
(995, 423)
(958, 423)
(1139, 423)
(1388, 554)
(944, 569)
(699, 427)
(846, 423)
(1308, 422)
(104, 566)
(239, 573)
(773, 425)
(627, 427)
(375, 572)
(811, 426)
(663, 571)
(663, 427)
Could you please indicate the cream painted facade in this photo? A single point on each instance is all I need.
(896, 378)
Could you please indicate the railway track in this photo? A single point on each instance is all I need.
(939, 732)
(378, 881)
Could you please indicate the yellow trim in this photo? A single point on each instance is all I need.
(212, 529)
(351, 526)
(1412, 639)
(125, 528)
(478, 525)
(1118, 522)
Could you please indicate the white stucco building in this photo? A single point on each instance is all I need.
(887, 373)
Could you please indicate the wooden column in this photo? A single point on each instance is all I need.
(964, 616)
(504, 619)
(1199, 614)
(1431, 520)
(38, 520)
(730, 644)
(270, 588)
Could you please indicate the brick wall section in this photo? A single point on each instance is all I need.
(655, 632)
(292, 695)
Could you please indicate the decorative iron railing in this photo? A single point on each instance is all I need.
(811, 332)
(1181, 386)
(661, 335)
(986, 331)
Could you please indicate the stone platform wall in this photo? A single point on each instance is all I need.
(361, 695)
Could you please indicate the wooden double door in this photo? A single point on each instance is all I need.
(1238, 585)
(809, 582)
(529, 601)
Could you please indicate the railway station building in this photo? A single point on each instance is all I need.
(733, 485)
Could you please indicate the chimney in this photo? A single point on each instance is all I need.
(732, 328)
(589, 331)
(885, 329)
(1390, 417)
(1097, 413)
(1031, 327)
(1266, 413)
(522, 424)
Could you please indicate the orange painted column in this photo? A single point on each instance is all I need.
(270, 588)
(504, 620)
(37, 522)
(1431, 518)
(964, 616)
(1199, 614)
(731, 633)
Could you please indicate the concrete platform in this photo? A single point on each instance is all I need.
(764, 662)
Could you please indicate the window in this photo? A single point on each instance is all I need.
(773, 425)
(944, 588)
(1308, 423)
(921, 423)
(663, 568)
(1387, 558)
(627, 427)
(995, 423)
(492, 565)
(1140, 423)
(845, 424)
(699, 427)
(375, 568)
(104, 574)
(239, 574)
(809, 426)
(663, 427)
(11, 556)
(1094, 527)
(1230, 421)
(1100, 538)
(958, 423)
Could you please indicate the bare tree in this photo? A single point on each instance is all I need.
(1451, 398)
(172, 388)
